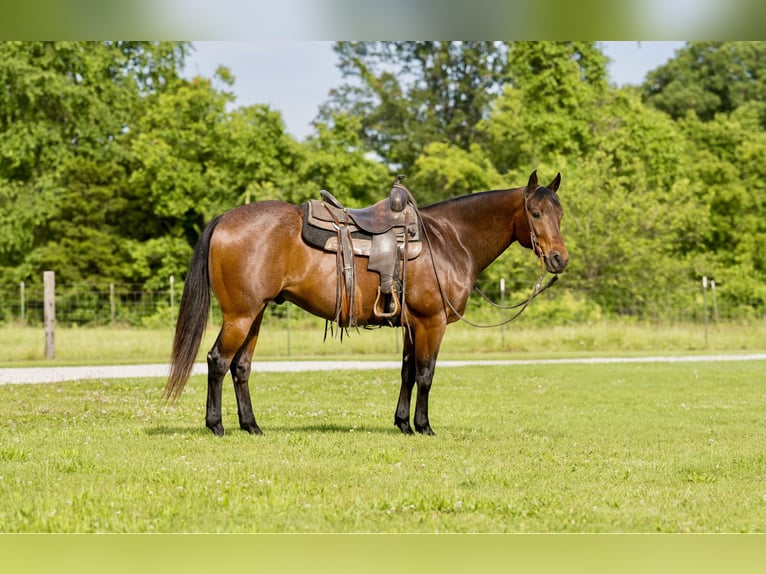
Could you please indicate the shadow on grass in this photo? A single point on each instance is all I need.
(307, 429)
(168, 431)
(330, 428)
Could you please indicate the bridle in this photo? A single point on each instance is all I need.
(522, 305)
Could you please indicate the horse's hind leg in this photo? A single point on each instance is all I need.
(240, 373)
(233, 335)
(217, 366)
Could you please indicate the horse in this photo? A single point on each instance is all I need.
(254, 254)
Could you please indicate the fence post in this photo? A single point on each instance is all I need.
(502, 313)
(289, 350)
(704, 305)
(49, 313)
(111, 304)
(715, 305)
(23, 308)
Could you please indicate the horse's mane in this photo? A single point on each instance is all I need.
(478, 196)
(468, 198)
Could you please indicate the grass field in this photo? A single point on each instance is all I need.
(651, 447)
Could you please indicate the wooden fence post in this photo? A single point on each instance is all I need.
(23, 306)
(111, 304)
(49, 313)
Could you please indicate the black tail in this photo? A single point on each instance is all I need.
(192, 316)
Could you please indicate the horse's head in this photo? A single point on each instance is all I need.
(544, 213)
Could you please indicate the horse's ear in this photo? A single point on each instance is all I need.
(532, 185)
(554, 185)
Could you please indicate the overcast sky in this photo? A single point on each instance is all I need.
(296, 77)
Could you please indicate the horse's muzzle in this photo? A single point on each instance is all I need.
(555, 262)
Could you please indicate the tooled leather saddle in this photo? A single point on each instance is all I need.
(387, 233)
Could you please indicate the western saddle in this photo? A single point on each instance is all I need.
(387, 233)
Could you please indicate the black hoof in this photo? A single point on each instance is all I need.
(217, 429)
(404, 426)
(426, 430)
(252, 429)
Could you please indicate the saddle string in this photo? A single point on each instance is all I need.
(345, 278)
(418, 221)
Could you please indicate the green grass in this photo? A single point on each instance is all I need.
(550, 448)
(24, 346)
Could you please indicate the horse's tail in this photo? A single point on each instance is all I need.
(192, 316)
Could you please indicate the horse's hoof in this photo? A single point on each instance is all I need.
(252, 429)
(404, 426)
(216, 428)
(426, 430)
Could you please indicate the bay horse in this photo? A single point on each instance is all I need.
(254, 254)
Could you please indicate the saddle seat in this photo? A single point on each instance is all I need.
(375, 219)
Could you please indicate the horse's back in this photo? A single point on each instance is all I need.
(259, 216)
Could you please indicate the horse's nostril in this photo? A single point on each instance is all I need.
(556, 261)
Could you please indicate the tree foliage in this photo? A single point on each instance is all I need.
(411, 94)
(708, 78)
(111, 162)
(66, 109)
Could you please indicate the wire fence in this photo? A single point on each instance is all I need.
(100, 304)
(91, 304)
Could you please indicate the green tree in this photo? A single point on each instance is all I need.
(65, 111)
(709, 78)
(728, 164)
(444, 170)
(336, 159)
(551, 106)
(193, 159)
(631, 210)
(410, 94)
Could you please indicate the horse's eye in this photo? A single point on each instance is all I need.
(536, 214)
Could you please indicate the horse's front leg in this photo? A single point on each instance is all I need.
(402, 415)
(424, 378)
(418, 366)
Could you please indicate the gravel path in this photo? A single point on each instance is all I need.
(59, 374)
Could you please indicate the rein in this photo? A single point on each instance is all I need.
(538, 288)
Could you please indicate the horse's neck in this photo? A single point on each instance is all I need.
(484, 223)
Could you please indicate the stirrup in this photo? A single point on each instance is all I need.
(382, 314)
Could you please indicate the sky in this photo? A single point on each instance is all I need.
(295, 78)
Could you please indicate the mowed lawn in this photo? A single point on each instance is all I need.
(538, 448)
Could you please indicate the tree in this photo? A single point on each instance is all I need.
(631, 210)
(336, 160)
(410, 94)
(444, 170)
(65, 110)
(551, 106)
(728, 159)
(709, 78)
(193, 159)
